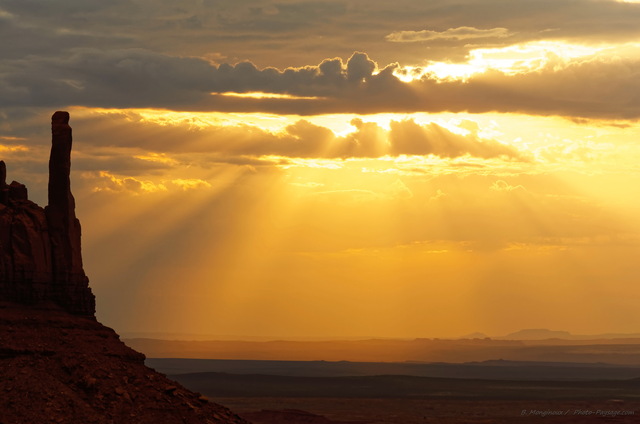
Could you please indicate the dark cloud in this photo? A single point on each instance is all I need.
(118, 78)
(42, 28)
(596, 87)
(140, 78)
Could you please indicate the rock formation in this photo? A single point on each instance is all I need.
(69, 278)
(57, 363)
(40, 254)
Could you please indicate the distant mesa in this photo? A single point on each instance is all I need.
(475, 336)
(544, 334)
(537, 334)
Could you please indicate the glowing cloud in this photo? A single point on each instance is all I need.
(190, 184)
(157, 157)
(262, 95)
(112, 183)
(510, 60)
(10, 149)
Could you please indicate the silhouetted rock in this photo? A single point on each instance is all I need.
(3, 174)
(4, 190)
(72, 290)
(57, 363)
(40, 249)
(18, 191)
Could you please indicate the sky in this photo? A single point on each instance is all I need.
(340, 168)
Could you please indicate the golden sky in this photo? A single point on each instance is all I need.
(340, 168)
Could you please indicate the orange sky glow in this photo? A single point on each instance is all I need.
(426, 175)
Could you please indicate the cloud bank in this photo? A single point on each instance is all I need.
(129, 133)
(598, 86)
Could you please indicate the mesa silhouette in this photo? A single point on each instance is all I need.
(58, 364)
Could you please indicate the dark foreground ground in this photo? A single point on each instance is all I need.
(389, 399)
(402, 386)
(422, 411)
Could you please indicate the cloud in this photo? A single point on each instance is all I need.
(460, 33)
(141, 78)
(502, 185)
(4, 15)
(152, 145)
(12, 149)
(151, 54)
(409, 138)
(295, 33)
(115, 78)
(104, 181)
(121, 151)
(190, 184)
(360, 68)
(599, 86)
(107, 182)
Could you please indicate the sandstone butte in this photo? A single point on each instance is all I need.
(58, 364)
